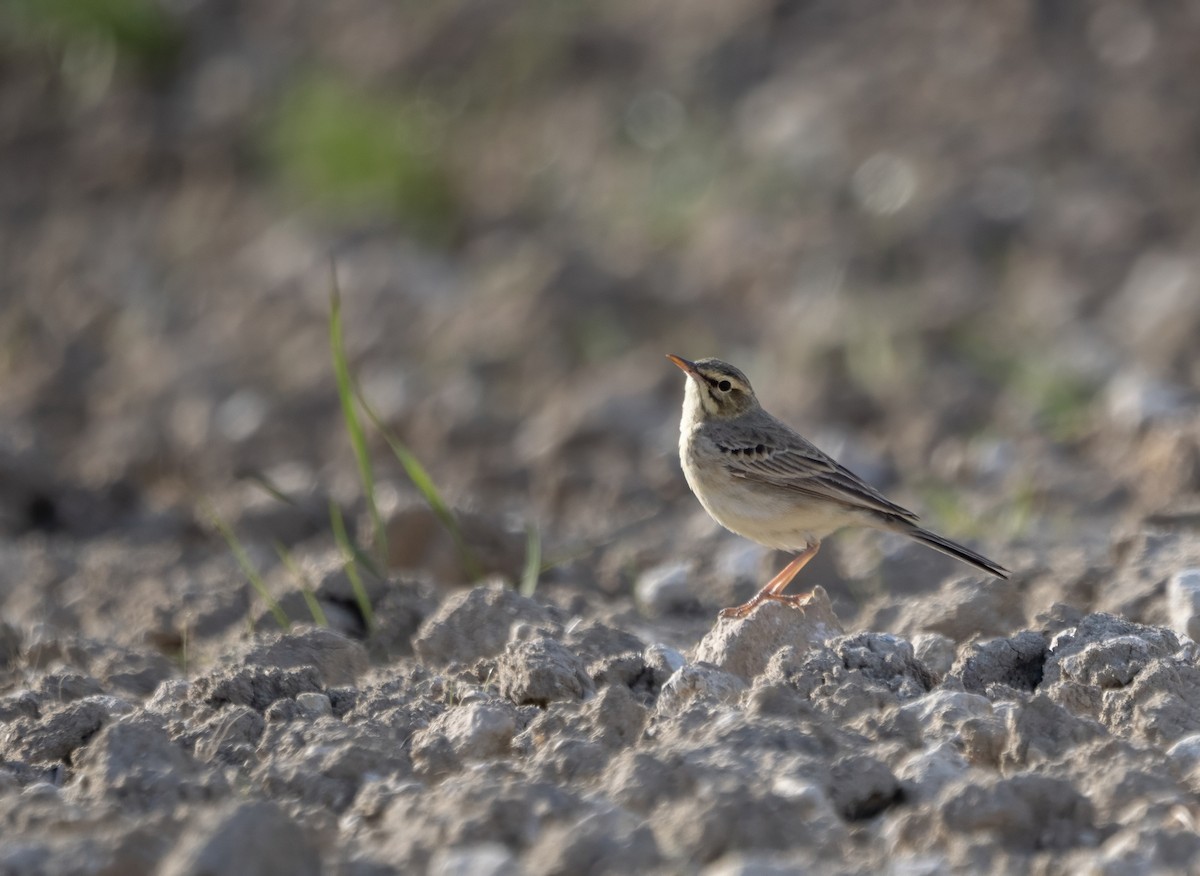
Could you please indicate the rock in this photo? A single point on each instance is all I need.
(571, 761)
(705, 827)
(1184, 755)
(698, 682)
(230, 736)
(66, 687)
(941, 713)
(476, 624)
(861, 787)
(982, 739)
(886, 659)
(616, 717)
(1161, 705)
(595, 641)
(170, 700)
(485, 804)
(1183, 603)
(56, 737)
(315, 705)
(1024, 813)
(250, 838)
(1136, 783)
(473, 731)
(1016, 662)
(1041, 731)
(133, 671)
(542, 671)
(338, 660)
(254, 686)
(935, 651)
(1100, 653)
(1104, 666)
(786, 863)
(1143, 848)
(1107, 664)
(135, 761)
(924, 774)
(666, 589)
(483, 859)
(324, 763)
(663, 661)
(610, 841)
(744, 646)
(22, 704)
(639, 780)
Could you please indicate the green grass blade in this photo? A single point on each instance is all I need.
(346, 395)
(251, 573)
(533, 560)
(269, 487)
(422, 480)
(310, 598)
(350, 565)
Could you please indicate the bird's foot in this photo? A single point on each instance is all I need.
(798, 601)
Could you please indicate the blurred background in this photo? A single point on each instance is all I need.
(955, 245)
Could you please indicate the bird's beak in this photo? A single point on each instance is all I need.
(688, 368)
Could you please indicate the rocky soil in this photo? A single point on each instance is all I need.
(958, 248)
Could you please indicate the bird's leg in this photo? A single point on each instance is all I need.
(775, 587)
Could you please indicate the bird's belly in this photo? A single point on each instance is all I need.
(771, 517)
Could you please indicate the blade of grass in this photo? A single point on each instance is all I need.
(310, 598)
(346, 395)
(269, 487)
(533, 560)
(422, 480)
(351, 566)
(251, 573)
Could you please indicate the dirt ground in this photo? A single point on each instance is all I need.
(958, 246)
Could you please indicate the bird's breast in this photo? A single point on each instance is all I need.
(768, 514)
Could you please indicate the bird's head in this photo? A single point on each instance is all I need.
(717, 389)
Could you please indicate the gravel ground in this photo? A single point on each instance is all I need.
(958, 248)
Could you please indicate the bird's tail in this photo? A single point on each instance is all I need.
(956, 550)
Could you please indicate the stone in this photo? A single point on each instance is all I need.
(338, 659)
(698, 682)
(135, 761)
(861, 786)
(254, 686)
(250, 838)
(1015, 662)
(475, 624)
(744, 646)
(1183, 603)
(541, 671)
(936, 651)
(56, 737)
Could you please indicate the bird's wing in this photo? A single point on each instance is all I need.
(792, 463)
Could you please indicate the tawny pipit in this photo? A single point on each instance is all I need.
(757, 477)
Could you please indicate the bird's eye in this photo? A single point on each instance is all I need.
(724, 386)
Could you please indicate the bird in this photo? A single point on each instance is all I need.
(760, 479)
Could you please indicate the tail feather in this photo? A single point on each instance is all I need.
(956, 550)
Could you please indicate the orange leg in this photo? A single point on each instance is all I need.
(775, 587)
